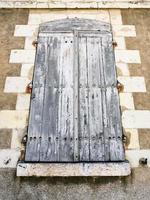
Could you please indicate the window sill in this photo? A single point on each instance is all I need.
(74, 169)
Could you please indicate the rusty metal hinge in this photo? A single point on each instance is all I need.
(23, 142)
(29, 88)
(114, 43)
(124, 139)
(143, 161)
(120, 86)
(35, 43)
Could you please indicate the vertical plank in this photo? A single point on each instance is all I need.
(76, 96)
(115, 133)
(66, 109)
(112, 127)
(49, 125)
(83, 101)
(37, 100)
(96, 125)
(95, 101)
(108, 60)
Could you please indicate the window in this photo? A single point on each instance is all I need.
(74, 113)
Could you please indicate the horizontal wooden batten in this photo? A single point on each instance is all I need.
(74, 169)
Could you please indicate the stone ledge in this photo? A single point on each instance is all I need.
(74, 169)
(80, 4)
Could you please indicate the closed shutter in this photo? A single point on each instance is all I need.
(74, 114)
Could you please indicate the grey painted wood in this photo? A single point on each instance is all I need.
(75, 114)
(37, 103)
(76, 96)
(70, 24)
(57, 143)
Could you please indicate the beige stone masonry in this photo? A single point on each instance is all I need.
(120, 43)
(27, 70)
(73, 169)
(23, 102)
(133, 84)
(22, 56)
(127, 56)
(16, 84)
(26, 30)
(126, 101)
(134, 139)
(17, 136)
(9, 158)
(115, 16)
(29, 41)
(74, 4)
(13, 119)
(37, 17)
(136, 119)
(135, 155)
(122, 69)
(124, 30)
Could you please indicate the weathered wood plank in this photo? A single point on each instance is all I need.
(115, 133)
(96, 125)
(58, 116)
(65, 117)
(37, 101)
(83, 101)
(51, 104)
(69, 24)
(95, 103)
(84, 148)
(108, 61)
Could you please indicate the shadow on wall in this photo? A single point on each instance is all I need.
(136, 186)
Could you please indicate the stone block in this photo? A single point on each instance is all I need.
(16, 84)
(23, 102)
(133, 84)
(27, 71)
(126, 101)
(133, 138)
(22, 56)
(122, 69)
(136, 119)
(73, 169)
(127, 56)
(115, 16)
(17, 136)
(124, 30)
(133, 156)
(26, 30)
(13, 119)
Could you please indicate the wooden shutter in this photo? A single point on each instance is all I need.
(99, 115)
(74, 115)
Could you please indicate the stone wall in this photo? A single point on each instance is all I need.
(130, 30)
(53, 4)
